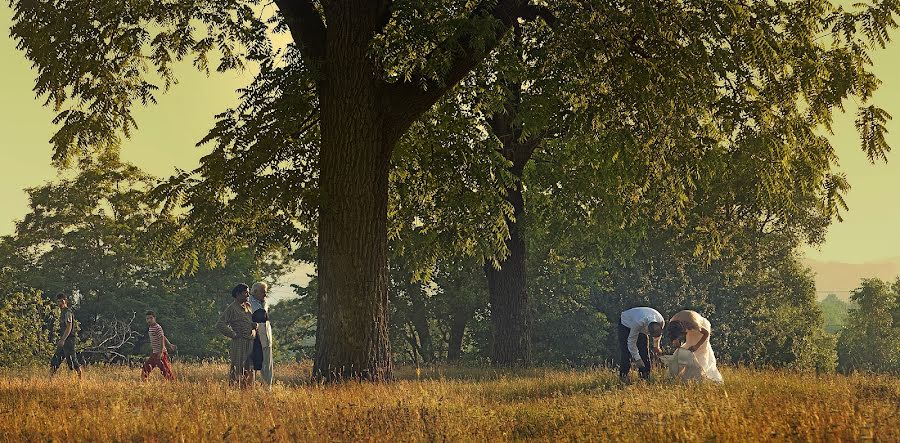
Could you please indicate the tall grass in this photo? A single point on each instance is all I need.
(447, 404)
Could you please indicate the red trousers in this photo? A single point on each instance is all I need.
(161, 362)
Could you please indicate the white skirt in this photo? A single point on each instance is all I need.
(705, 355)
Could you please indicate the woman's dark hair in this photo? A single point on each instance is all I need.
(61, 296)
(675, 331)
(239, 289)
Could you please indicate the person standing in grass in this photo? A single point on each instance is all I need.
(636, 327)
(262, 346)
(68, 338)
(236, 323)
(159, 356)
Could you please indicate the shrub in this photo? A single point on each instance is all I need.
(27, 325)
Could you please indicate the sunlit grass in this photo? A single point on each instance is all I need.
(457, 404)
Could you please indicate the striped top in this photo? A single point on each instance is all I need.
(157, 338)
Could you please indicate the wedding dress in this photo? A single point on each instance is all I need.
(697, 365)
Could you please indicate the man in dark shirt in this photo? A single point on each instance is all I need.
(65, 346)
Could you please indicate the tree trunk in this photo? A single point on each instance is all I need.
(457, 332)
(420, 322)
(361, 119)
(413, 347)
(509, 295)
(352, 332)
(507, 285)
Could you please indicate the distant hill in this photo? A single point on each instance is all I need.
(841, 278)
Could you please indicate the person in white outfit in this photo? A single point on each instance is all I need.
(689, 332)
(636, 327)
(259, 307)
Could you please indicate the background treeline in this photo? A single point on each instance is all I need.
(95, 237)
(96, 234)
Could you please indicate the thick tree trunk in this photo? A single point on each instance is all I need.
(352, 335)
(507, 285)
(509, 295)
(361, 119)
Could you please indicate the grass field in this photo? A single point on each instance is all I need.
(447, 404)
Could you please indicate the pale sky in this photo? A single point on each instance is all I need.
(168, 131)
(869, 231)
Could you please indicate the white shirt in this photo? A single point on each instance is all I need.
(637, 320)
(263, 330)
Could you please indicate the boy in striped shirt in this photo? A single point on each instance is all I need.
(159, 357)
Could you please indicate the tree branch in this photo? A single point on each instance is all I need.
(410, 99)
(306, 26)
(308, 123)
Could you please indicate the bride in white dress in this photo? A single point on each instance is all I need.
(694, 358)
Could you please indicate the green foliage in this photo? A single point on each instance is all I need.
(691, 94)
(819, 352)
(835, 312)
(769, 317)
(96, 59)
(754, 78)
(82, 234)
(428, 311)
(27, 327)
(870, 338)
(566, 277)
(294, 324)
(89, 235)
(446, 191)
(896, 311)
(460, 305)
(257, 186)
(567, 329)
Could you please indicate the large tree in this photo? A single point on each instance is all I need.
(869, 340)
(85, 234)
(322, 120)
(376, 66)
(632, 100)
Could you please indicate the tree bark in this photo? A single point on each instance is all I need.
(507, 285)
(414, 353)
(509, 295)
(352, 334)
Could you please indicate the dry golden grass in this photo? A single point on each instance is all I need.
(111, 404)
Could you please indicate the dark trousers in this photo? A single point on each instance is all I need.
(643, 345)
(67, 354)
(257, 355)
